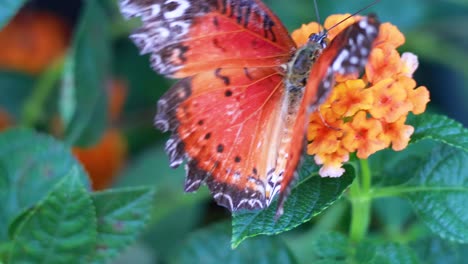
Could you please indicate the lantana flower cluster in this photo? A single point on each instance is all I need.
(368, 114)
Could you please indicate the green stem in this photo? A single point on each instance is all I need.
(34, 106)
(360, 203)
(396, 191)
(365, 176)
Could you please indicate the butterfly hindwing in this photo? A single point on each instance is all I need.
(224, 122)
(186, 37)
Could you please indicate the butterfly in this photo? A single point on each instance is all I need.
(239, 114)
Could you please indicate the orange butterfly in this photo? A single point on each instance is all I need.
(240, 113)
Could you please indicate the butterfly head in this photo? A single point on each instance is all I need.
(320, 38)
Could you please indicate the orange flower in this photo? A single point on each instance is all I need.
(390, 100)
(5, 120)
(350, 97)
(117, 91)
(32, 40)
(397, 133)
(368, 114)
(302, 35)
(383, 63)
(105, 159)
(362, 134)
(335, 19)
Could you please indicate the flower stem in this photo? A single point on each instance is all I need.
(360, 203)
(34, 106)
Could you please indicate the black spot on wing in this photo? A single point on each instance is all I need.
(247, 74)
(224, 78)
(220, 148)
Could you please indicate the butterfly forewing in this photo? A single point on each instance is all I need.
(185, 37)
(225, 116)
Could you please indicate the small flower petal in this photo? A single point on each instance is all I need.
(332, 163)
(350, 97)
(362, 135)
(384, 62)
(333, 20)
(397, 133)
(390, 100)
(419, 98)
(409, 64)
(301, 35)
(389, 35)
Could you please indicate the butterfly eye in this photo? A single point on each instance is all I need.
(314, 37)
(320, 38)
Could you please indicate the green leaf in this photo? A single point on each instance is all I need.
(14, 89)
(60, 229)
(439, 193)
(394, 213)
(300, 240)
(122, 215)
(139, 76)
(168, 182)
(330, 246)
(211, 245)
(433, 250)
(32, 163)
(336, 248)
(175, 213)
(382, 253)
(385, 164)
(83, 105)
(8, 8)
(439, 128)
(307, 199)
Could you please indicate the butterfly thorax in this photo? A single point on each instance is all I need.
(299, 66)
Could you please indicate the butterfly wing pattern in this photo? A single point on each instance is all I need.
(231, 115)
(186, 37)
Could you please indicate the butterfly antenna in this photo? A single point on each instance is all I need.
(353, 14)
(317, 15)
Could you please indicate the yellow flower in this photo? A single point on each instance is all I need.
(368, 114)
